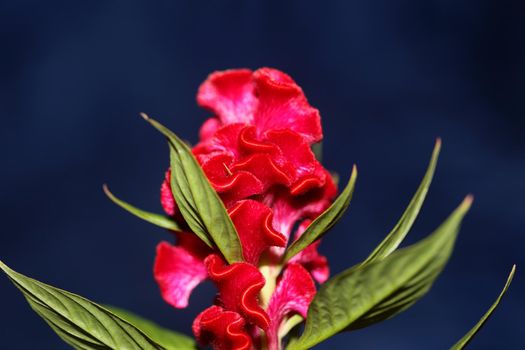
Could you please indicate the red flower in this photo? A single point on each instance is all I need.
(256, 152)
(267, 98)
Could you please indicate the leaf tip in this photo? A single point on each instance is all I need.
(437, 149)
(512, 270)
(510, 277)
(467, 202)
(144, 116)
(106, 190)
(4, 267)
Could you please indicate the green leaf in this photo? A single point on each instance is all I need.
(155, 219)
(398, 233)
(198, 202)
(363, 295)
(78, 321)
(325, 221)
(167, 338)
(468, 337)
(317, 149)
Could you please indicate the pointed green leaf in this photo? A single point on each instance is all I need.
(198, 202)
(169, 339)
(363, 295)
(463, 342)
(78, 321)
(155, 219)
(325, 221)
(398, 233)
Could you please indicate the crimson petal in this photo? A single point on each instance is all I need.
(231, 183)
(249, 143)
(179, 269)
(229, 94)
(224, 330)
(288, 208)
(239, 285)
(293, 150)
(253, 221)
(293, 295)
(224, 141)
(264, 169)
(282, 105)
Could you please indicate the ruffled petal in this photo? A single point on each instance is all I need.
(288, 208)
(249, 143)
(239, 285)
(253, 221)
(179, 269)
(266, 98)
(317, 200)
(316, 179)
(224, 141)
(296, 158)
(233, 184)
(230, 95)
(293, 295)
(282, 105)
(264, 169)
(224, 330)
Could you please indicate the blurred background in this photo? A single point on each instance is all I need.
(388, 77)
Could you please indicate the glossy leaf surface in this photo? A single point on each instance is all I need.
(198, 202)
(167, 338)
(79, 322)
(367, 294)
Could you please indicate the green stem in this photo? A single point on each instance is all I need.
(270, 274)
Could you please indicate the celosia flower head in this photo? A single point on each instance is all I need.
(255, 150)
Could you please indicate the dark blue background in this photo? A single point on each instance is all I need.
(388, 77)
